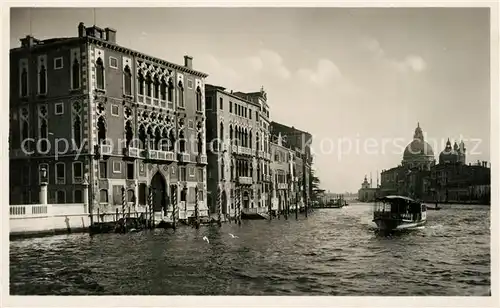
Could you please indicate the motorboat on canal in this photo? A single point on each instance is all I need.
(399, 213)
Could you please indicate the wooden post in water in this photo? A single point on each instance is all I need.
(196, 209)
(219, 207)
(296, 204)
(174, 205)
(239, 205)
(98, 216)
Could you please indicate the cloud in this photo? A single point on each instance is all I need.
(325, 72)
(413, 63)
(273, 63)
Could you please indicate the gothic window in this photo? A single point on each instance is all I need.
(170, 91)
(181, 94)
(198, 99)
(140, 83)
(142, 137)
(163, 90)
(171, 141)
(24, 82)
(77, 131)
(25, 130)
(150, 136)
(250, 140)
(42, 79)
(148, 84)
(99, 72)
(128, 133)
(182, 142)
(200, 144)
(158, 139)
(75, 71)
(231, 134)
(101, 130)
(156, 85)
(222, 170)
(43, 136)
(127, 81)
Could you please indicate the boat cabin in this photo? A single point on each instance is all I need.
(399, 208)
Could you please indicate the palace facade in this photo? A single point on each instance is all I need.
(87, 110)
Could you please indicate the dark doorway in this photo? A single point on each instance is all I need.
(246, 200)
(159, 192)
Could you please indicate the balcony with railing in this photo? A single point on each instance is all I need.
(245, 180)
(184, 157)
(161, 155)
(106, 149)
(131, 152)
(201, 159)
(282, 186)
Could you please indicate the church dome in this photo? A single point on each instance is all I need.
(418, 148)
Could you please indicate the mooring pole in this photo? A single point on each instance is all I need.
(219, 207)
(174, 204)
(196, 209)
(239, 205)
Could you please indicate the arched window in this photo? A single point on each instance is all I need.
(148, 84)
(171, 143)
(24, 82)
(99, 73)
(231, 134)
(140, 83)
(151, 138)
(142, 137)
(43, 136)
(156, 86)
(127, 81)
(158, 138)
(101, 130)
(61, 196)
(43, 79)
(75, 74)
(182, 142)
(77, 196)
(77, 131)
(163, 90)
(180, 90)
(129, 134)
(250, 139)
(170, 91)
(200, 144)
(198, 99)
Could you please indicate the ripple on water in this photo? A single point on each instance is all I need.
(329, 253)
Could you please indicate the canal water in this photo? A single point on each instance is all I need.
(332, 252)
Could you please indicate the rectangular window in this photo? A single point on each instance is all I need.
(42, 75)
(182, 173)
(191, 172)
(60, 173)
(230, 107)
(250, 114)
(200, 175)
(77, 172)
(190, 83)
(208, 102)
(115, 110)
(130, 171)
(103, 170)
(117, 167)
(58, 63)
(59, 109)
(221, 104)
(113, 62)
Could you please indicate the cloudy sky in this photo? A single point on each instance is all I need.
(359, 80)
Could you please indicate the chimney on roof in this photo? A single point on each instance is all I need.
(81, 30)
(110, 35)
(188, 62)
(28, 41)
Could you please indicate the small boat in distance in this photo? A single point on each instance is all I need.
(399, 213)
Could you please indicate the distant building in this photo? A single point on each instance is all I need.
(300, 142)
(367, 193)
(133, 122)
(239, 152)
(452, 180)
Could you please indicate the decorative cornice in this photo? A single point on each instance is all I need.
(134, 53)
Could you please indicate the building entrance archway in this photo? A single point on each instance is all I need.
(159, 187)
